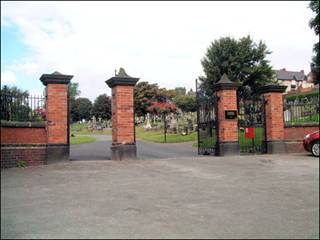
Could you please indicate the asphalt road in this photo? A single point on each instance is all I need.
(100, 150)
(262, 196)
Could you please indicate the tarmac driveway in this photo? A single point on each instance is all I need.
(263, 196)
(100, 150)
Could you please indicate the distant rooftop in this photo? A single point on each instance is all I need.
(283, 74)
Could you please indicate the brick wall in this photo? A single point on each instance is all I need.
(57, 113)
(122, 111)
(274, 116)
(26, 144)
(24, 135)
(228, 128)
(11, 155)
(294, 136)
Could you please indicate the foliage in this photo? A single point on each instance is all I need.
(80, 109)
(300, 96)
(74, 90)
(14, 104)
(22, 164)
(242, 60)
(314, 24)
(159, 108)
(102, 107)
(187, 103)
(180, 91)
(144, 94)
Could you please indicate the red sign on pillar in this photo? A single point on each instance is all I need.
(249, 132)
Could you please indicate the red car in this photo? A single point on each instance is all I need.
(311, 143)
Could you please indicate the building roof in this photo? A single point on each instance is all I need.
(283, 74)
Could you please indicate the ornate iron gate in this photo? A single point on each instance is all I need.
(207, 122)
(251, 123)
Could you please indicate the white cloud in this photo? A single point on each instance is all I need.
(8, 78)
(160, 42)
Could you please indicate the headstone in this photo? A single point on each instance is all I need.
(148, 124)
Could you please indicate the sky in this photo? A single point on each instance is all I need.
(158, 42)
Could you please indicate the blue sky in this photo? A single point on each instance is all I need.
(12, 49)
(160, 42)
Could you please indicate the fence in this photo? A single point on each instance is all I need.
(22, 107)
(301, 111)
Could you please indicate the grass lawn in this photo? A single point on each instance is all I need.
(158, 136)
(81, 139)
(81, 129)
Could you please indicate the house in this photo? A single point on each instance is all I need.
(294, 80)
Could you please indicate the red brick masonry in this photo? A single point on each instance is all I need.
(294, 135)
(27, 144)
(228, 129)
(24, 135)
(122, 111)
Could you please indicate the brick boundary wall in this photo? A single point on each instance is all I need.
(294, 135)
(25, 142)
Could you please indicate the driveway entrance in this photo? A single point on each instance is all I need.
(100, 150)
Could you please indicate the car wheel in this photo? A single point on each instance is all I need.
(315, 148)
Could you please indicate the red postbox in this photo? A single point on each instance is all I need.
(249, 132)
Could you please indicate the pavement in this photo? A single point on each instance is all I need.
(255, 196)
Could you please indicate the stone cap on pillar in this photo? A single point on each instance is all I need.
(122, 78)
(225, 84)
(272, 88)
(55, 77)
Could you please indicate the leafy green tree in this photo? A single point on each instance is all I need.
(242, 60)
(180, 91)
(15, 104)
(81, 109)
(314, 24)
(74, 90)
(102, 107)
(144, 95)
(187, 103)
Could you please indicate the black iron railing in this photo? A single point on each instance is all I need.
(301, 111)
(22, 108)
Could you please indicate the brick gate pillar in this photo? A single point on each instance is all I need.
(274, 118)
(57, 115)
(227, 142)
(123, 129)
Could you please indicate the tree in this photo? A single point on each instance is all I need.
(242, 60)
(314, 24)
(187, 103)
(102, 107)
(159, 108)
(81, 109)
(74, 90)
(144, 94)
(15, 104)
(180, 90)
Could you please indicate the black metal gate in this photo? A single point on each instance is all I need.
(251, 123)
(207, 123)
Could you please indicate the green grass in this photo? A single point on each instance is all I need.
(247, 142)
(158, 136)
(81, 129)
(81, 139)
